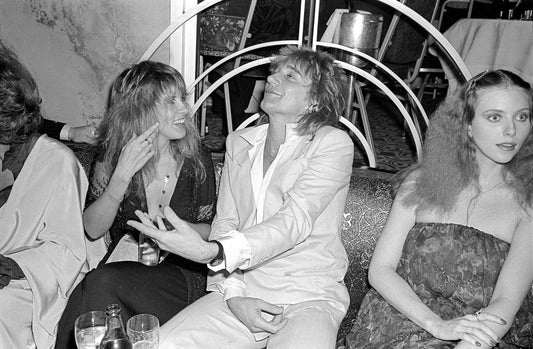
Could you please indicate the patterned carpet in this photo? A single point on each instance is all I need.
(394, 147)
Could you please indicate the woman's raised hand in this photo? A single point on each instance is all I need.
(471, 328)
(136, 153)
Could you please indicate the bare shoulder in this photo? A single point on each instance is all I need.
(526, 219)
(408, 184)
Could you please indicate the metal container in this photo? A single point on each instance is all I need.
(362, 31)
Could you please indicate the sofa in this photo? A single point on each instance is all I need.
(367, 206)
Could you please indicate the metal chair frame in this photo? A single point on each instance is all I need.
(314, 43)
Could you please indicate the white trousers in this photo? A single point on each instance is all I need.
(209, 323)
(16, 315)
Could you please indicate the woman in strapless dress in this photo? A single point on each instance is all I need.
(453, 266)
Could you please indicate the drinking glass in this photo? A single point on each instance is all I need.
(89, 329)
(143, 331)
(148, 250)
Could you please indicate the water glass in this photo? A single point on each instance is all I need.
(148, 250)
(89, 329)
(143, 331)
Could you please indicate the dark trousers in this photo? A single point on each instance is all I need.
(161, 290)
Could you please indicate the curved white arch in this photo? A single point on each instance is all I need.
(417, 138)
(421, 21)
(225, 78)
(439, 38)
(385, 69)
(172, 27)
(240, 53)
(370, 154)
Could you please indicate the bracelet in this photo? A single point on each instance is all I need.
(112, 198)
(220, 255)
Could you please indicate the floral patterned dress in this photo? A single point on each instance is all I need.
(453, 269)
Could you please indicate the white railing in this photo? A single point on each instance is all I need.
(312, 41)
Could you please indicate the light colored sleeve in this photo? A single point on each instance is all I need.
(237, 251)
(54, 262)
(228, 284)
(227, 217)
(224, 226)
(327, 172)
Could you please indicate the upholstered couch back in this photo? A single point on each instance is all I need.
(367, 206)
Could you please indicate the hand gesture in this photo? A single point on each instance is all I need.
(250, 312)
(136, 153)
(470, 328)
(83, 134)
(183, 240)
(150, 246)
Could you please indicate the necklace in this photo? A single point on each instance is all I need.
(165, 183)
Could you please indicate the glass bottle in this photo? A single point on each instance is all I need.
(115, 337)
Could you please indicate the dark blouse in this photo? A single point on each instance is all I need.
(193, 200)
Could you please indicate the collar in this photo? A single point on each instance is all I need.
(256, 136)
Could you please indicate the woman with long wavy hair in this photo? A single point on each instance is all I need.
(453, 264)
(151, 158)
(275, 253)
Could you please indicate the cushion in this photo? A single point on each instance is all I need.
(367, 206)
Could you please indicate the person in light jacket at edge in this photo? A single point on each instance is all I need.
(43, 250)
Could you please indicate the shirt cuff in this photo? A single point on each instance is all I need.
(63, 135)
(231, 287)
(237, 252)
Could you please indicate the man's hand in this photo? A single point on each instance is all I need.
(250, 312)
(83, 134)
(183, 240)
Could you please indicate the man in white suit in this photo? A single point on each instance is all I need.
(275, 253)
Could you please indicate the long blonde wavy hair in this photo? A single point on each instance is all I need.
(137, 96)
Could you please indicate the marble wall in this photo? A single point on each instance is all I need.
(75, 48)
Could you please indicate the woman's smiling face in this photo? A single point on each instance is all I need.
(172, 119)
(501, 123)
